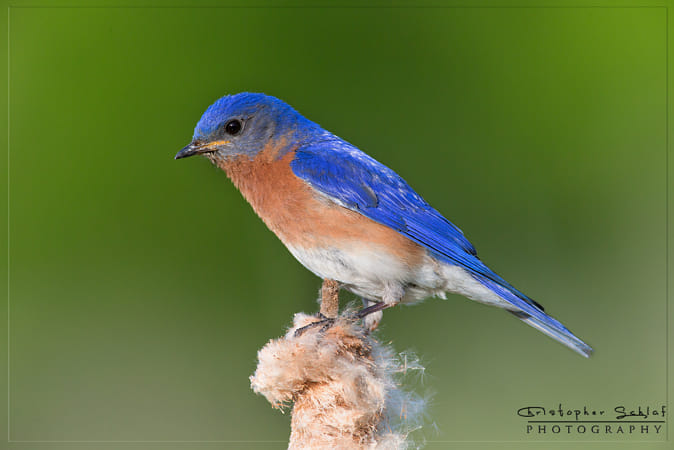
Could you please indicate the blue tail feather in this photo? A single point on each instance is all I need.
(531, 313)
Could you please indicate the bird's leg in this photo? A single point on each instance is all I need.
(329, 307)
(375, 307)
(373, 311)
(371, 320)
(373, 314)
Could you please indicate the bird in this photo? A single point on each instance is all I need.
(348, 218)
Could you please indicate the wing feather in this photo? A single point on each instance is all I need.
(352, 179)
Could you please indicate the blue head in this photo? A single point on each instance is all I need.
(243, 124)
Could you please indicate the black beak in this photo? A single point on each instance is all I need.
(193, 149)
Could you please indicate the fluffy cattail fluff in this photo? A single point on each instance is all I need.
(344, 387)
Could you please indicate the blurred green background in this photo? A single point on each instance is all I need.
(142, 287)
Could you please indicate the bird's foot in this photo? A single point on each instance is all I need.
(371, 321)
(372, 314)
(373, 308)
(323, 322)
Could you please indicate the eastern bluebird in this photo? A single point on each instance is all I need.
(347, 217)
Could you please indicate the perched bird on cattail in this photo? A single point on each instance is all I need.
(348, 218)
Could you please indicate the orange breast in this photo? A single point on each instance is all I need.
(299, 216)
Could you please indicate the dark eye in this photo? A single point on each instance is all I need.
(233, 127)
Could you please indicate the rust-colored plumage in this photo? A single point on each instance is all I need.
(298, 215)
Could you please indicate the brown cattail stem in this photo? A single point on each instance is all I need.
(330, 299)
(344, 386)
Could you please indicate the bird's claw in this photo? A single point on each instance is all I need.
(323, 322)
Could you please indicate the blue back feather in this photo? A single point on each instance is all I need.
(358, 182)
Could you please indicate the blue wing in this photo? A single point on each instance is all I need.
(360, 183)
(356, 181)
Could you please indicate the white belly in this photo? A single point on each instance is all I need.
(377, 275)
